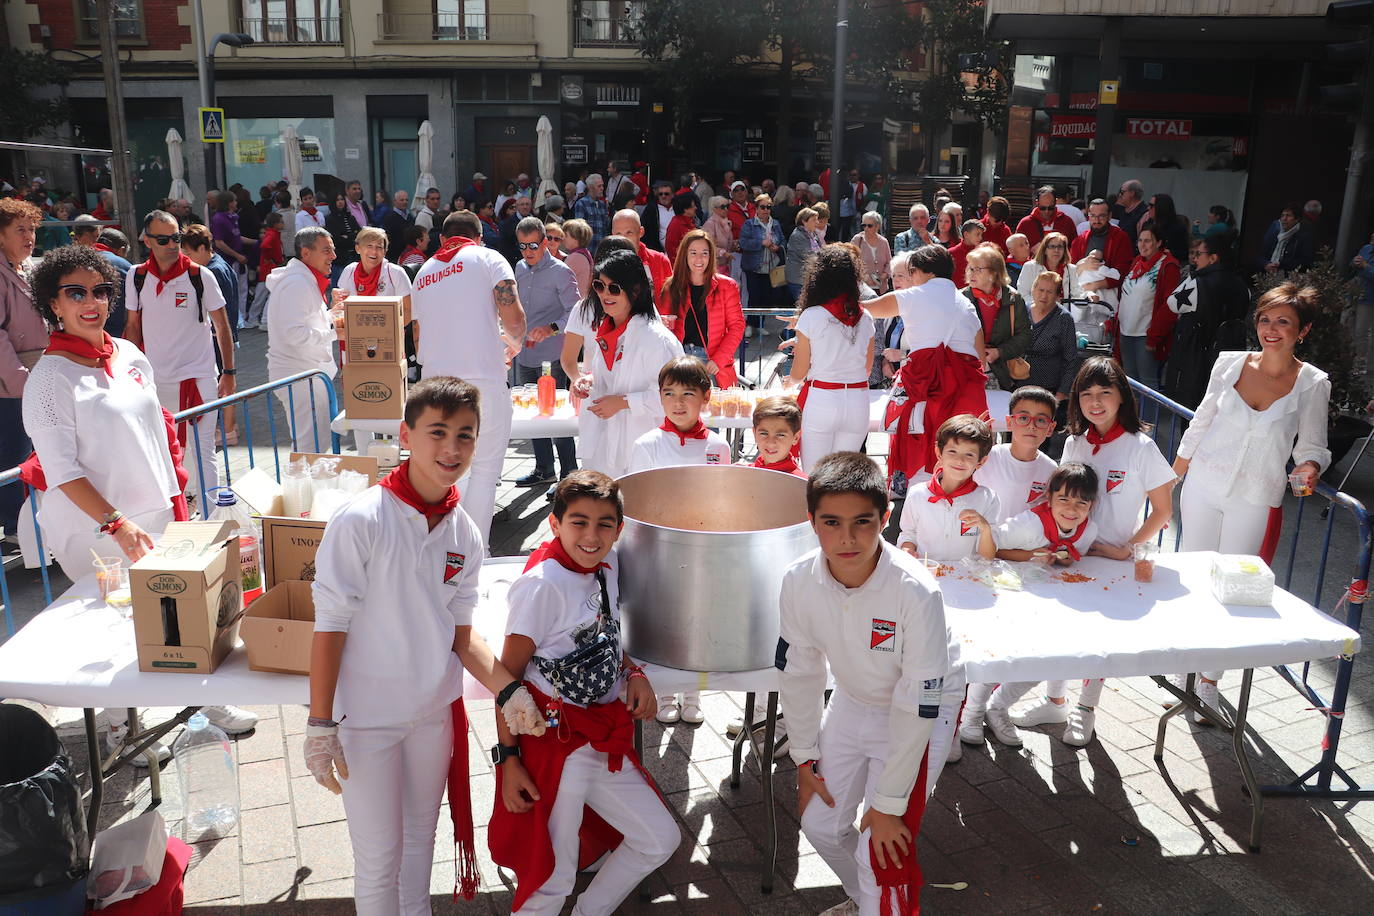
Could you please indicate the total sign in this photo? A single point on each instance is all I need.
(1159, 128)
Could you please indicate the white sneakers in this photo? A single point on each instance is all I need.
(1082, 722)
(1208, 693)
(116, 735)
(668, 710)
(1043, 713)
(681, 707)
(956, 751)
(231, 719)
(971, 726)
(998, 721)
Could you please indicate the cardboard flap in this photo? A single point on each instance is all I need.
(288, 549)
(362, 464)
(259, 492)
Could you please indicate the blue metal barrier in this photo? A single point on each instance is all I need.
(195, 416)
(1316, 782)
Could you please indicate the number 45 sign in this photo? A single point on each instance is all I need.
(211, 125)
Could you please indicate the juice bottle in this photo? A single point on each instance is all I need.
(548, 391)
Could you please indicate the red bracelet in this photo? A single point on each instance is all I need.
(115, 525)
(636, 672)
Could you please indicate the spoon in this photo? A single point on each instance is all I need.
(956, 886)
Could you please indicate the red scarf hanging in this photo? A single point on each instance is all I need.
(1097, 440)
(988, 306)
(452, 246)
(366, 284)
(460, 806)
(322, 280)
(312, 210)
(1056, 538)
(398, 482)
(837, 306)
(899, 882)
(188, 397)
(949, 384)
(608, 339)
(1140, 267)
(101, 246)
(787, 465)
(938, 493)
(696, 432)
(553, 549)
(176, 269)
(62, 342)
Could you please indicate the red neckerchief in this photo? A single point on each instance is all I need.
(1097, 440)
(988, 306)
(938, 493)
(696, 432)
(101, 246)
(311, 210)
(188, 397)
(553, 549)
(398, 482)
(787, 465)
(836, 307)
(1140, 267)
(608, 339)
(1055, 537)
(460, 806)
(452, 246)
(899, 882)
(323, 281)
(367, 286)
(62, 342)
(178, 267)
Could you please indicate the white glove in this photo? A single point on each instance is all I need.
(324, 754)
(522, 715)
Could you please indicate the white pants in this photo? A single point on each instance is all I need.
(242, 271)
(629, 804)
(308, 424)
(942, 738)
(205, 430)
(479, 486)
(257, 313)
(395, 783)
(835, 420)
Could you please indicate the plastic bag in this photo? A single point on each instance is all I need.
(43, 839)
(325, 473)
(327, 502)
(127, 860)
(297, 488)
(352, 482)
(995, 574)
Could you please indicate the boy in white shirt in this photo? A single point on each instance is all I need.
(684, 388)
(1019, 472)
(563, 637)
(877, 617)
(948, 519)
(397, 678)
(777, 429)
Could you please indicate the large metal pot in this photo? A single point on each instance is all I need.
(701, 563)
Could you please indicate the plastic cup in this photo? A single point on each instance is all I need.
(112, 578)
(561, 398)
(1298, 483)
(1144, 556)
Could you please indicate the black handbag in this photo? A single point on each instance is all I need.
(587, 673)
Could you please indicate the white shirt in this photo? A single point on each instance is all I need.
(1031, 271)
(1106, 294)
(934, 527)
(551, 605)
(179, 343)
(1072, 213)
(395, 281)
(1138, 302)
(665, 216)
(304, 219)
(107, 429)
(300, 336)
(887, 645)
(398, 590)
(1128, 468)
(934, 313)
(659, 448)
(1242, 453)
(1018, 484)
(838, 353)
(1025, 531)
(452, 301)
(425, 218)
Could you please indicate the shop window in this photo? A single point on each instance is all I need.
(128, 19)
(253, 153)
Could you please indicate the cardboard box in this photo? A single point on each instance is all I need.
(279, 629)
(188, 598)
(374, 391)
(373, 330)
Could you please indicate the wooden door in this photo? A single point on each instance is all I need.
(509, 161)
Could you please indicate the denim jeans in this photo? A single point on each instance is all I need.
(1141, 365)
(543, 448)
(14, 448)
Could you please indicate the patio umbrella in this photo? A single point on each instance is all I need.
(426, 179)
(177, 165)
(544, 153)
(291, 162)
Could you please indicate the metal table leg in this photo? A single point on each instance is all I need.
(1171, 711)
(97, 773)
(770, 850)
(745, 734)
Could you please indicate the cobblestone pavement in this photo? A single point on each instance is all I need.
(1042, 829)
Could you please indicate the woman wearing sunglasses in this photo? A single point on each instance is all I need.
(619, 378)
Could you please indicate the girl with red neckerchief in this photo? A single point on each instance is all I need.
(372, 274)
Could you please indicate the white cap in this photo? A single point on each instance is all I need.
(738, 184)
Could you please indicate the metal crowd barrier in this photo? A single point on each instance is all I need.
(1317, 782)
(199, 476)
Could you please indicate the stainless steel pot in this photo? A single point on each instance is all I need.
(701, 563)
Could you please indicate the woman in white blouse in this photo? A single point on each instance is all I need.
(1259, 408)
(1051, 254)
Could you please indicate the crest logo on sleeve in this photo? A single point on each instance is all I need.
(137, 376)
(1037, 490)
(453, 565)
(967, 529)
(181, 299)
(1115, 479)
(881, 636)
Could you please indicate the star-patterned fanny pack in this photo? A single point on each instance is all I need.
(587, 673)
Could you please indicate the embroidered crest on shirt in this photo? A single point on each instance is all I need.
(1115, 479)
(453, 565)
(713, 458)
(881, 636)
(181, 300)
(967, 529)
(1037, 490)
(137, 376)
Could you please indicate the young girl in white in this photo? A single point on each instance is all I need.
(832, 356)
(1107, 435)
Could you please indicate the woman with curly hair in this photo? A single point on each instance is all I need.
(23, 336)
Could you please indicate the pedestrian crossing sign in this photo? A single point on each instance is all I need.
(211, 125)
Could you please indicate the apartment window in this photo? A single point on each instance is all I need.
(291, 21)
(461, 20)
(607, 23)
(128, 19)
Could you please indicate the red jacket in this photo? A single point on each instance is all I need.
(724, 326)
(660, 269)
(270, 255)
(738, 216)
(680, 226)
(998, 235)
(1034, 230)
(1159, 337)
(1119, 254)
(960, 255)
(642, 183)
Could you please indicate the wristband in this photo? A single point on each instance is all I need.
(321, 722)
(228, 372)
(111, 523)
(507, 692)
(815, 766)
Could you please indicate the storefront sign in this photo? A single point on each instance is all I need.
(1240, 146)
(1159, 128)
(753, 151)
(1073, 127)
(570, 89)
(250, 152)
(310, 149)
(615, 95)
(575, 154)
(1107, 90)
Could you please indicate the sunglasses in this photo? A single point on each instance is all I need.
(1045, 209)
(602, 286)
(530, 246)
(665, 193)
(1025, 420)
(173, 239)
(101, 292)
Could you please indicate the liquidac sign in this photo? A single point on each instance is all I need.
(1159, 129)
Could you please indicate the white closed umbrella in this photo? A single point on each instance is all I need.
(177, 165)
(544, 153)
(291, 162)
(426, 179)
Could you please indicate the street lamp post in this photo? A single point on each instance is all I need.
(205, 74)
(837, 114)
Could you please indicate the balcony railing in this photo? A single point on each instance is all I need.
(303, 30)
(613, 32)
(497, 28)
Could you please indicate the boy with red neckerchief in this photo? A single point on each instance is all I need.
(946, 519)
(777, 427)
(569, 796)
(395, 589)
(684, 387)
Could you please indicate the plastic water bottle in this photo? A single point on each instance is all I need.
(228, 508)
(209, 781)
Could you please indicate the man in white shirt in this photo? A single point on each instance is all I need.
(301, 336)
(425, 218)
(308, 214)
(182, 303)
(456, 334)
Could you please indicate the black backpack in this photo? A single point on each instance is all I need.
(197, 283)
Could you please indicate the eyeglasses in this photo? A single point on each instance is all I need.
(1055, 246)
(665, 193)
(602, 286)
(101, 292)
(1025, 420)
(173, 239)
(978, 270)
(531, 246)
(765, 206)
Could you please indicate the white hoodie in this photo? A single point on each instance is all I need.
(300, 336)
